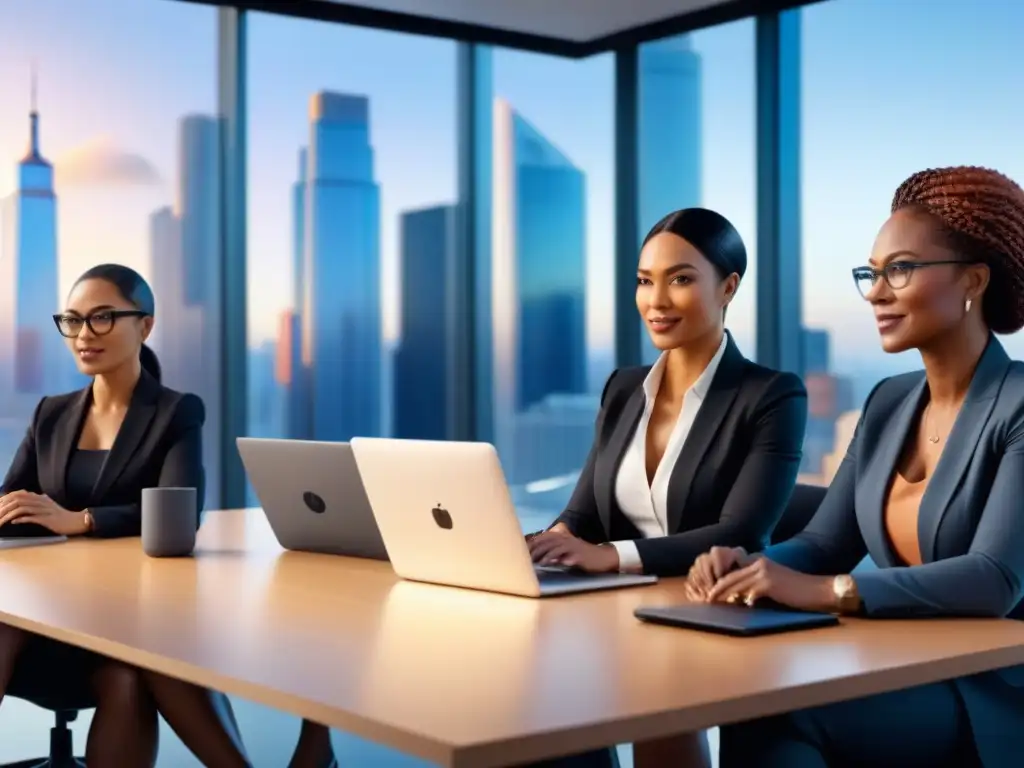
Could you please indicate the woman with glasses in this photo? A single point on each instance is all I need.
(931, 488)
(80, 471)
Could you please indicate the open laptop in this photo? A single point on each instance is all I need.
(446, 515)
(312, 496)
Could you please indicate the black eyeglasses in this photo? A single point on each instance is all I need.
(100, 322)
(897, 273)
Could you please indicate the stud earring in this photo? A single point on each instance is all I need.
(967, 306)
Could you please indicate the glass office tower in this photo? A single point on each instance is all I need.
(538, 309)
(299, 413)
(339, 279)
(185, 253)
(670, 145)
(421, 366)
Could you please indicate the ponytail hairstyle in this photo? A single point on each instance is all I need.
(135, 290)
(150, 362)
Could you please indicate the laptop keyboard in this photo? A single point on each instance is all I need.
(556, 574)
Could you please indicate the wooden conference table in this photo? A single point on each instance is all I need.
(460, 678)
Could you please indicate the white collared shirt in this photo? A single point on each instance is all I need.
(645, 505)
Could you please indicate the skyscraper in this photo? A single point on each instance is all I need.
(166, 269)
(185, 255)
(340, 309)
(8, 296)
(422, 360)
(670, 136)
(300, 414)
(816, 353)
(538, 309)
(198, 207)
(30, 227)
(671, 143)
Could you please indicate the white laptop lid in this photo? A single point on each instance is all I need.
(445, 513)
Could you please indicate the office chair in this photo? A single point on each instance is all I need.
(61, 746)
(801, 508)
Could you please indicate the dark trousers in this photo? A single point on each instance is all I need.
(54, 675)
(923, 727)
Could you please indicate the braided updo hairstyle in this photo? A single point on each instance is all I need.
(981, 213)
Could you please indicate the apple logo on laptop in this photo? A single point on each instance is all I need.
(314, 502)
(442, 517)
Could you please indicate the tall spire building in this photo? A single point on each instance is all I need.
(28, 261)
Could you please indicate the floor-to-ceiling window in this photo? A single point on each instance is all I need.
(544, 345)
(696, 144)
(351, 229)
(881, 100)
(108, 153)
(352, 178)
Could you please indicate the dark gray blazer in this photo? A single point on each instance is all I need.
(970, 525)
(732, 480)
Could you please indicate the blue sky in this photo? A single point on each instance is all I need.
(887, 90)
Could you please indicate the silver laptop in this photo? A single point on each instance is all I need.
(312, 496)
(447, 517)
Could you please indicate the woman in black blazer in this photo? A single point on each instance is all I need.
(700, 449)
(80, 471)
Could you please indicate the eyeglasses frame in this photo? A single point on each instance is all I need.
(886, 271)
(115, 314)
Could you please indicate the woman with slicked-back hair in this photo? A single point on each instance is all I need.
(80, 471)
(931, 488)
(700, 449)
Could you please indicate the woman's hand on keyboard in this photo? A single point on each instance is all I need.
(562, 548)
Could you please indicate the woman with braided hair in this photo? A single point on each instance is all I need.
(931, 488)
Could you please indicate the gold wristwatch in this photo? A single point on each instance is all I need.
(87, 519)
(844, 588)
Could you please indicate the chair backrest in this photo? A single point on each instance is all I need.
(801, 508)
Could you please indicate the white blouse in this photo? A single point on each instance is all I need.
(643, 504)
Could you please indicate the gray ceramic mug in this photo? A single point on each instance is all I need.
(169, 521)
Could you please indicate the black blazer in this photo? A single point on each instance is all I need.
(733, 477)
(159, 444)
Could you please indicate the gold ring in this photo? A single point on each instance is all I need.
(733, 598)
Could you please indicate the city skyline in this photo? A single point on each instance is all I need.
(837, 235)
(104, 166)
(674, 66)
(537, 262)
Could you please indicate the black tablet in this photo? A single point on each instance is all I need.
(25, 531)
(735, 619)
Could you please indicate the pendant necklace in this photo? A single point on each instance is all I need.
(932, 438)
